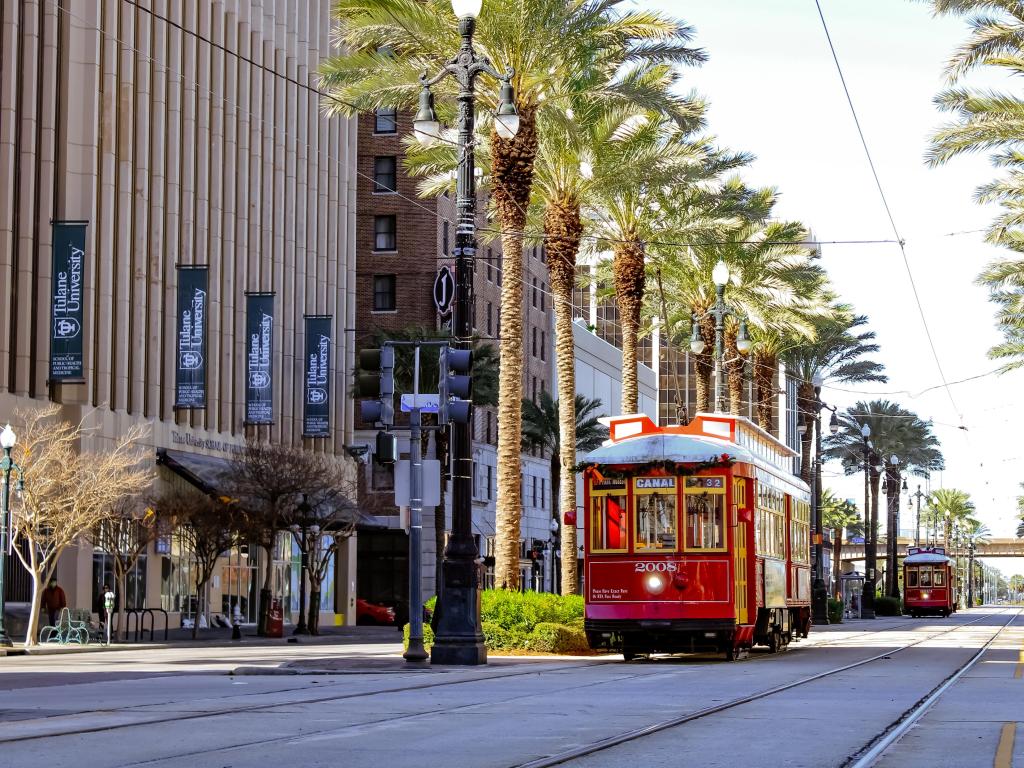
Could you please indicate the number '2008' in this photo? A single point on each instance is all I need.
(646, 567)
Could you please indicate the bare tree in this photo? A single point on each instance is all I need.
(67, 492)
(326, 515)
(124, 536)
(207, 526)
(268, 481)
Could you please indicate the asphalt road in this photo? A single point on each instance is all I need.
(357, 704)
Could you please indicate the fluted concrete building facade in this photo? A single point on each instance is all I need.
(183, 134)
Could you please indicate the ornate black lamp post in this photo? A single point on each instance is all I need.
(7, 441)
(720, 311)
(459, 639)
(819, 591)
(870, 529)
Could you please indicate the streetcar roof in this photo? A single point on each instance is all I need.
(924, 558)
(645, 448)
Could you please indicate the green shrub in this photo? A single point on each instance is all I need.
(497, 638)
(835, 611)
(557, 638)
(888, 606)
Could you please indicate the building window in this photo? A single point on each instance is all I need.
(543, 491)
(384, 238)
(543, 254)
(490, 313)
(490, 268)
(533, 340)
(384, 293)
(490, 485)
(444, 239)
(534, 299)
(543, 345)
(499, 269)
(386, 120)
(543, 295)
(535, 491)
(384, 174)
(533, 388)
(490, 421)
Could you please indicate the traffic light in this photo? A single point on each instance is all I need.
(377, 381)
(455, 386)
(387, 448)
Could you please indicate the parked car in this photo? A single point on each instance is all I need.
(373, 613)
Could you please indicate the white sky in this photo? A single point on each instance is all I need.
(774, 91)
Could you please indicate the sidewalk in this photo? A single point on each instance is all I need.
(218, 637)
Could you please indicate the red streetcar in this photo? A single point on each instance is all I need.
(928, 582)
(697, 538)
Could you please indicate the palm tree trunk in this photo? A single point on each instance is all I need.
(764, 380)
(628, 267)
(804, 404)
(704, 364)
(563, 228)
(512, 176)
(733, 372)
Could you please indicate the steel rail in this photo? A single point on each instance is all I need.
(867, 756)
(639, 733)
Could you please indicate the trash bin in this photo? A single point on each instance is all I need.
(275, 619)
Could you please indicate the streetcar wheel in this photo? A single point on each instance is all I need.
(775, 641)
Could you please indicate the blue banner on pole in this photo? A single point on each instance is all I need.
(316, 411)
(259, 356)
(67, 301)
(190, 362)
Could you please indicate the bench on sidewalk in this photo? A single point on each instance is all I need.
(71, 628)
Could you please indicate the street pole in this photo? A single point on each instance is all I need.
(415, 652)
(870, 543)
(719, 334)
(301, 628)
(7, 441)
(892, 498)
(819, 592)
(459, 638)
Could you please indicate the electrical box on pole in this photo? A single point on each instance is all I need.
(455, 386)
(376, 383)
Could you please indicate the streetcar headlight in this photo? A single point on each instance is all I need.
(655, 583)
(925, 595)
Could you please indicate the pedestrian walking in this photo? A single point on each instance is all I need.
(54, 600)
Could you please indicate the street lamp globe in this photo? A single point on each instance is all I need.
(7, 438)
(833, 424)
(743, 342)
(720, 274)
(865, 430)
(817, 380)
(696, 340)
(467, 9)
(425, 125)
(506, 122)
(894, 459)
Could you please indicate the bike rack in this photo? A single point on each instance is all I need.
(136, 617)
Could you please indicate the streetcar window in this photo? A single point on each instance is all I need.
(608, 523)
(926, 577)
(705, 513)
(655, 522)
(939, 577)
(911, 577)
(800, 532)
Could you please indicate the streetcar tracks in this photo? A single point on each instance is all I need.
(639, 733)
(870, 753)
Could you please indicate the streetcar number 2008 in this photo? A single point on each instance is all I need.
(646, 567)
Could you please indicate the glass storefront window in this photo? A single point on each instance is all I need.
(654, 499)
(705, 513)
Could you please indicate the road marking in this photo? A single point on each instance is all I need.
(1004, 752)
(1019, 672)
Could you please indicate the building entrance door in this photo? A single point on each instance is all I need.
(239, 590)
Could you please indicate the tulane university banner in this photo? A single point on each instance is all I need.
(67, 301)
(316, 411)
(259, 354)
(190, 363)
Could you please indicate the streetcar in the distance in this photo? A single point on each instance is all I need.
(929, 583)
(697, 538)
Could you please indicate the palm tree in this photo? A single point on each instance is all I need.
(948, 506)
(975, 533)
(842, 517)
(557, 50)
(895, 431)
(990, 121)
(838, 353)
(543, 428)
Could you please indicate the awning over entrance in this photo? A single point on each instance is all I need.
(207, 473)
